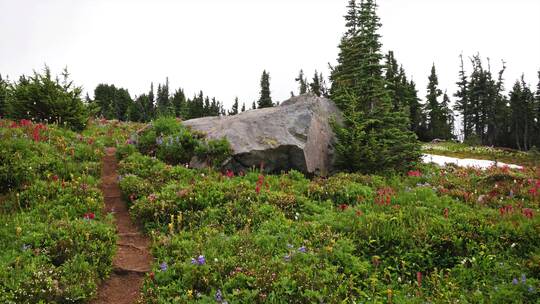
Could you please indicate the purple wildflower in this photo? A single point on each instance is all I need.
(193, 261)
(201, 260)
(515, 281)
(219, 296)
(287, 258)
(163, 266)
(25, 247)
(159, 141)
(290, 246)
(530, 289)
(302, 249)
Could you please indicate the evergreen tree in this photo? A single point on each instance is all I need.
(136, 111)
(178, 103)
(3, 95)
(416, 115)
(253, 106)
(438, 125)
(265, 100)
(373, 137)
(302, 83)
(243, 107)
(234, 109)
(462, 102)
(42, 98)
(163, 105)
(316, 85)
(149, 106)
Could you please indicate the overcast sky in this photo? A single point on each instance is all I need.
(222, 46)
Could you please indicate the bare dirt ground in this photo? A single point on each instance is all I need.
(133, 259)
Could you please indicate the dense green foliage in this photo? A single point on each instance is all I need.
(56, 244)
(373, 136)
(41, 98)
(170, 141)
(436, 235)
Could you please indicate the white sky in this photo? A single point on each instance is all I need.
(222, 46)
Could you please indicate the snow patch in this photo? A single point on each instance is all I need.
(465, 162)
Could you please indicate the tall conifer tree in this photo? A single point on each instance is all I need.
(265, 100)
(373, 137)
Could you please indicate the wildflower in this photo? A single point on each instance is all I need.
(229, 174)
(359, 213)
(446, 211)
(287, 258)
(515, 281)
(419, 279)
(523, 279)
(152, 197)
(89, 216)
(132, 197)
(343, 207)
(218, 296)
(159, 141)
(530, 289)
(55, 178)
(290, 246)
(25, 247)
(200, 260)
(163, 266)
(302, 249)
(152, 275)
(528, 213)
(415, 173)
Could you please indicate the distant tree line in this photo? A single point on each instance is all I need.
(371, 88)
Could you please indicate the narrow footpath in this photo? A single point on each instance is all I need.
(132, 260)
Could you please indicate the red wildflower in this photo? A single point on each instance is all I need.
(89, 216)
(343, 207)
(445, 212)
(229, 174)
(415, 173)
(260, 183)
(55, 178)
(359, 213)
(14, 125)
(152, 276)
(528, 213)
(25, 123)
(132, 197)
(419, 279)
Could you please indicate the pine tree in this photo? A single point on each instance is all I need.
(164, 106)
(438, 126)
(462, 102)
(302, 83)
(149, 106)
(3, 95)
(243, 107)
(265, 100)
(234, 109)
(316, 85)
(178, 103)
(373, 137)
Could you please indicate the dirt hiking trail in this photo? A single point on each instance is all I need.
(133, 259)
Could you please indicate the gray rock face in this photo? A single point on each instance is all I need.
(295, 135)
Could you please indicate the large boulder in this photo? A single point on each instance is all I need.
(294, 135)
